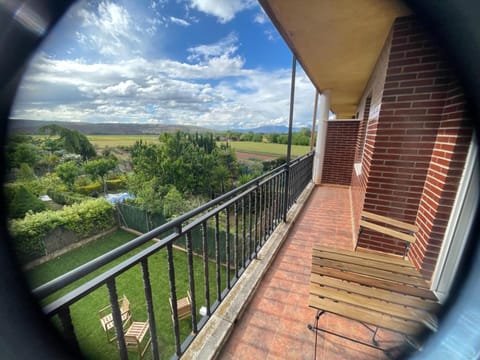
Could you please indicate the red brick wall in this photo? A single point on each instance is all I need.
(444, 173)
(339, 151)
(374, 91)
(402, 148)
(362, 130)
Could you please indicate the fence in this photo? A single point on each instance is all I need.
(247, 216)
(138, 219)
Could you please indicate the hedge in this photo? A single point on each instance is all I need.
(65, 197)
(97, 187)
(90, 189)
(84, 219)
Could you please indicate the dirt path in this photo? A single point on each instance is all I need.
(246, 156)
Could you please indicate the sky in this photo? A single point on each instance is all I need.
(209, 63)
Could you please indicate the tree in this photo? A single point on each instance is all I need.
(257, 137)
(71, 140)
(173, 204)
(193, 164)
(67, 172)
(98, 169)
(272, 138)
(25, 173)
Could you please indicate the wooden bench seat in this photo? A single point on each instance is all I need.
(372, 289)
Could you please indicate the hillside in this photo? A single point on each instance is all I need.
(32, 127)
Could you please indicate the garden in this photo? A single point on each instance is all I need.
(85, 316)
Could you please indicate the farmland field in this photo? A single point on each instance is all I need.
(120, 140)
(274, 150)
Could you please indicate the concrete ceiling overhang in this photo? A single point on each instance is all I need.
(337, 42)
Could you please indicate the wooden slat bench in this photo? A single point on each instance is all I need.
(391, 227)
(378, 290)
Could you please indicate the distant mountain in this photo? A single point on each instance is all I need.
(267, 129)
(32, 127)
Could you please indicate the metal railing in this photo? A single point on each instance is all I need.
(241, 220)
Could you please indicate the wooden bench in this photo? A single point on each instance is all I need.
(377, 290)
(391, 227)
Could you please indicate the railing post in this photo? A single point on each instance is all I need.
(67, 324)
(117, 319)
(151, 315)
(217, 258)
(205, 267)
(289, 146)
(173, 298)
(191, 280)
(227, 246)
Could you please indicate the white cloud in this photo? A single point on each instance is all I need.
(217, 94)
(123, 88)
(224, 10)
(109, 29)
(178, 21)
(260, 18)
(226, 46)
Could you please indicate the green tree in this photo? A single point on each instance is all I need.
(26, 153)
(25, 173)
(98, 169)
(70, 140)
(272, 138)
(247, 136)
(173, 204)
(257, 137)
(67, 172)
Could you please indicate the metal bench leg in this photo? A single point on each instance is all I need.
(374, 340)
(315, 329)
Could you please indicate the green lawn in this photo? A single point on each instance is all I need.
(267, 148)
(86, 322)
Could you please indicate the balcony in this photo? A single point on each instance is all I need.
(262, 309)
(274, 324)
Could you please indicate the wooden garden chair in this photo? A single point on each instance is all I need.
(137, 337)
(184, 307)
(106, 318)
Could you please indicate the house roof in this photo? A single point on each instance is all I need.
(337, 42)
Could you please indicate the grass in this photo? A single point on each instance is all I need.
(268, 148)
(86, 322)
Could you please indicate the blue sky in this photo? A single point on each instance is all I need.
(211, 63)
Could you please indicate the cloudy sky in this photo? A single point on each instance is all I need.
(211, 63)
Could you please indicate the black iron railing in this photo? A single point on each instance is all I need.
(240, 220)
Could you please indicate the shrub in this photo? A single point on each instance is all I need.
(84, 219)
(24, 201)
(117, 184)
(90, 189)
(65, 197)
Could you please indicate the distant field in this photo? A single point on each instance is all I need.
(120, 140)
(275, 150)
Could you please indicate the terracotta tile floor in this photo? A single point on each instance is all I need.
(274, 325)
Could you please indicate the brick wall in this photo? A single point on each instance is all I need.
(443, 177)
(417, 96)
(370, 112)
(339, 151)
